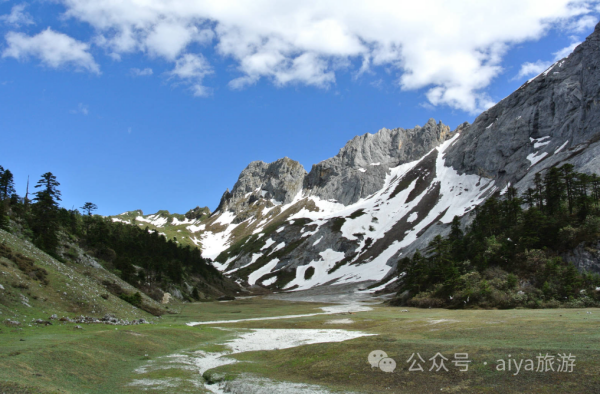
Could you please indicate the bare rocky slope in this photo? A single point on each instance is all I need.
(352, 217)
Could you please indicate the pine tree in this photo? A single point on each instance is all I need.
(4, 224)
(456, 232)
(539, 190)
(511, 207)
(417, 274)
(529, 198)
(582, 199)
(7, 185)
(555, 189)
(88, 207)
(569, 177)
(45, 213)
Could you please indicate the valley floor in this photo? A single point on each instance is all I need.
(166, 357)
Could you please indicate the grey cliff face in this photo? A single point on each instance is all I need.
(280, 181)
(559, 108)
(360, 168)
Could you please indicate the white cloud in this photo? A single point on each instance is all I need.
(536, 68)
(529, 69)
(453, 49)
(191, 69)
(17, 17)
(52, 48)
(566, 51)
(582, 24)
(82, 109)
(136, 72)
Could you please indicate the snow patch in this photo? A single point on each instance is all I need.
(177, 222)
(268, 244)
(226, 218)
(561, 147)
(214, 243)
(535, 157)
(155, 220)
(264, 270)
(269, 281)
(503, 191)
(339, 321)
(194, 229)
(539, 142)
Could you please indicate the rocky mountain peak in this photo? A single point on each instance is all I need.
(278, 182)
(360, 168)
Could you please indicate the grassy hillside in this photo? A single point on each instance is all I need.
(36, 285)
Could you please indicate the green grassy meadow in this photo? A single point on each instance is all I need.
(134, 359)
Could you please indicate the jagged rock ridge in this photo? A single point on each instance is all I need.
(359, 169)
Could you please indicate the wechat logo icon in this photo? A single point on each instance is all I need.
(379, 359)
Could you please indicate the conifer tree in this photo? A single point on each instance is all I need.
(539, 190)
(45, 213)
(554, 191)
(89, 207)
(4, 225)
(569, 177)
(7, 185)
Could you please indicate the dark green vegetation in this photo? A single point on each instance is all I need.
(510, 255)
(144, 259)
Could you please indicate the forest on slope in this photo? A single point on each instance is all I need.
(144, 259)
(512, 254)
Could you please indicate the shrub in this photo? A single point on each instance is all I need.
(133, 299)
(511, 281)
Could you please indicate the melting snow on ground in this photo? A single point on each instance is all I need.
(248, 341)
(155, 220)
(177, 222)
(195, 229)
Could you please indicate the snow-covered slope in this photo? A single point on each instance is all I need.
(354, 216)
(310, 242)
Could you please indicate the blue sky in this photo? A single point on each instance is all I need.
(140, 105)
